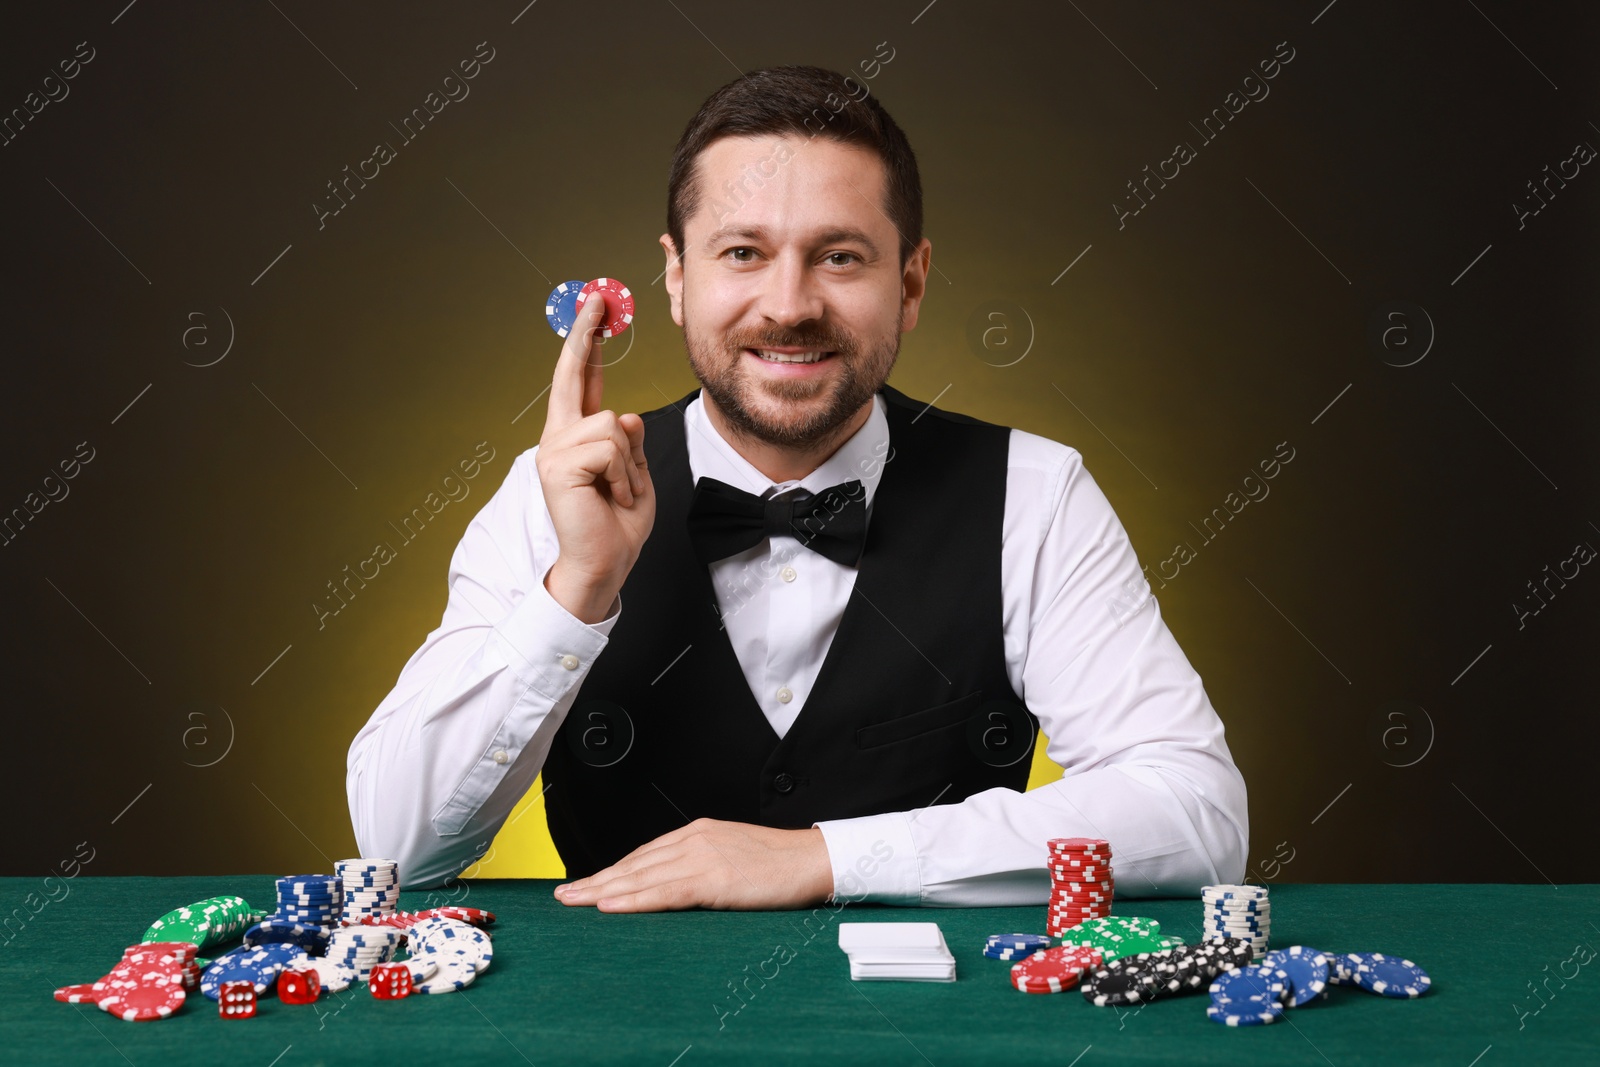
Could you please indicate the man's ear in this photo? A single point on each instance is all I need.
(674, 277)
(914, 283)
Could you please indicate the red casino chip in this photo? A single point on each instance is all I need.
(84, 993)
(619, 304)
(1079, 844)
(1054, 970)
(145, 1001)
(475, 916)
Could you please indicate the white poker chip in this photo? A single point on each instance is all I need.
(336, 977)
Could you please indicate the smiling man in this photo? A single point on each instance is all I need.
(789, 638)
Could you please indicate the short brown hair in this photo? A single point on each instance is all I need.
(811, 101)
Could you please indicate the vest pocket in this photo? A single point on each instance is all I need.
(939, 717)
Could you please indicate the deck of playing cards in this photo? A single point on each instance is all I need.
(908, 952)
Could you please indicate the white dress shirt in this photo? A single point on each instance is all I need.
(458, 742)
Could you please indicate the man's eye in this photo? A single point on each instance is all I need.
(834, 256)
(739, 253)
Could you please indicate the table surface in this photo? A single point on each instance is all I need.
(577, 986)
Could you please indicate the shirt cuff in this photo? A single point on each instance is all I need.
(874, 859)
(548, 648)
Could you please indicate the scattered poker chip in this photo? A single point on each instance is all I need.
(259, 966)
(619, 304)
(83, 993)
(561, 307)
(1342, 968)
(1307, 970)
(336, 976)
(1120, 986)
(1054, 970)
(1256, 1014)
(475, 916)
(153, 997)
(1014, 946)
(1034, 941)
(1389, 976)
(1252, 983)
(459, 950)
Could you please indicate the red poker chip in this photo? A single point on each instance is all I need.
(619, 304)
(399, 920)
(1078, 844)
(145, 1001)
(83, 993)
(475, 916)
(1054, 970)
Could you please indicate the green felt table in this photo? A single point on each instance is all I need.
(573, 986)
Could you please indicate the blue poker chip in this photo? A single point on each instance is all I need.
(1388, 976)
(1256, 984)
(1307, 969)
(285, 932)
(1036, 941)
(258, 966)
(562, 307)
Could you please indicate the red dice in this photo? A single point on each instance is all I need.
(301, 986)
(237, 1000)
(390, 981)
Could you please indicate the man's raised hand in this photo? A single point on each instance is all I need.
(595, 479)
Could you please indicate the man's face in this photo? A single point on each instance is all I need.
(790, 249)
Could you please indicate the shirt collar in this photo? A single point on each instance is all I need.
(861, 458)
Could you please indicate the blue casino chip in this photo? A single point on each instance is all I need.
(561, 308)
(1307, 970)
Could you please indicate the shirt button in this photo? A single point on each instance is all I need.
(783, 783)
(500, 755)
(784, 695)
(788, 574)
(569, 661)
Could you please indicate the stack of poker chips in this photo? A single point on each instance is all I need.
(312, 899)
(371, 889)
(207, 923)
(1081, 883)
(309, 906)
(1178, 968)
(353, 952)
(1241, 911)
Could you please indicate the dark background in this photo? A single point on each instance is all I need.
(170, 697)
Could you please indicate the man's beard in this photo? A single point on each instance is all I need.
(856, 376)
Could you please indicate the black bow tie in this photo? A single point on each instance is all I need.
(725, 520)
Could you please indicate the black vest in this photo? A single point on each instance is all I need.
(912, 705)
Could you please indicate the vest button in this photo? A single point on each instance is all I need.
(783, 783)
